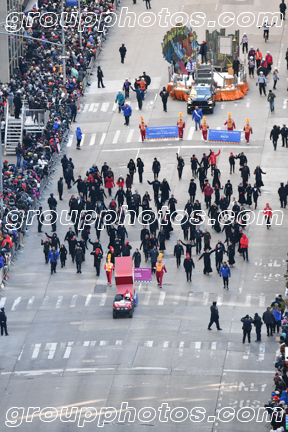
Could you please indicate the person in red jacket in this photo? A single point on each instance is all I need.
(268, 215)
(7, 240)
(142, 127)
(248, 131)
(269, 60)
(230, 123)
(244, 241)
(204, 127)
(208, 191)
(181, 126)
(120, 182)
(160, 269)
(213, 159)
(109, 183)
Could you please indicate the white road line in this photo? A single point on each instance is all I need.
(176, 299)
(148, 344)
(30, 302)
(130, 134)
(93, 139)
(214, 346)
(73, 301)
(205, 298)
(88, 300)
(20, 355)
(181, 348)
(119, 342)
(177, 147)
(262, 300)
(69, 144)
(96, 107)
(82, 140)
(223, 105)
(191, 132)
(285, 103)
(246, 353)
(102, 343)
(198, 345)
(59, 302)
(248, 103)
(52, 349)
(261, 351)
(219, 300)
(165, 344)
(45, 301)
(115, 106)
(161, 298)
(105, 106)
(103, 138)
(16, 303)
(2, 301)
(36, 351)
(86, 343)
(86, 106)
(116, 136)
(103, 299)
(91, 108)
(248, 300)
(147, 298)
(68, 350)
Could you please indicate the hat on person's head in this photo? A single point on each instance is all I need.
(2, 309)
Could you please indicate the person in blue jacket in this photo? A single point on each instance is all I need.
(78, 137)
(278, 317)
(120, 99)
(225, 273)
(53, 257)
(127, 111)
(197, 116)
(140, 96)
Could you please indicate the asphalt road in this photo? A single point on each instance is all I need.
(64, 348)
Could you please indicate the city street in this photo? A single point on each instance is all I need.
(64, 349)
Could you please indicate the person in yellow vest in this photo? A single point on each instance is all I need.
(142, 127)
(204, 127)
(109, 267)
(181, 126)
(248, 130)
(230, 123)
(160, 269)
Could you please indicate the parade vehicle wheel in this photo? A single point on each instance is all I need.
(131, 314)
(188, 111)
(114, 314)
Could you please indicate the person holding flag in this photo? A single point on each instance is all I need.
(142, 127)
(230, 123)
(204, 127)
(181, 126)
(248, 131)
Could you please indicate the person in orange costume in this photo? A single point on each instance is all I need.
(142, 127)
(109, 267)
(230, 123)
(204, 127)
(268, 215)
(248, 131)
(160, 268)
(181, 126)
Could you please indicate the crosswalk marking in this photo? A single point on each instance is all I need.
(86, 343)
(181, 346)
(102, 343)
(261, 351)
(205, 299)
(147, 298)
(148, 344)
(91, 108)
(73, 301)
(191, 132)
(16, 303)
(114, 106)
(93, 139)
(59, 302)
(45, 301)
(88, 300)
(161, 298)
(214, 346)
(165, 344)
(68, 350)
(198, 345)
(246, 353)
(36, 351)
(85, 109)
(2, 301)
(96, 107)
(52, 349)
(130, 134)
(219, 300)
(82, 140)
(119, 342)
(116, 136)
(30, 302)
(105, 106)
(103, 138)
(103, 299)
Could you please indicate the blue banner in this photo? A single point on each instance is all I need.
(161, 132)
(216, 135)
(71, 3)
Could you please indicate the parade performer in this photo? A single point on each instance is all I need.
(268, 215)
(204, 127)
(230, 123)
(160, 269)
(109, 267)
(181, 126)
(142, 127)
(248, 131)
